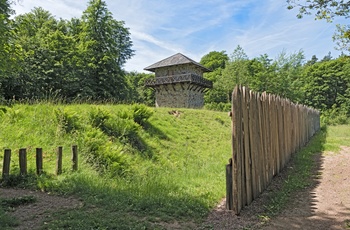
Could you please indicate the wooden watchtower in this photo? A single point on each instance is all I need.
(178, 82)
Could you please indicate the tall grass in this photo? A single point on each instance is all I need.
(138, 167)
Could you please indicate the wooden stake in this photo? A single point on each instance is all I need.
(74, 157)
(59, 161)
(23, 161)
(39, 161)
(6, 165)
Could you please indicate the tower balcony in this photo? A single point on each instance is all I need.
(180, 78)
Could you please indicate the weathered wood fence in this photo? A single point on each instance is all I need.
(266, 131)
(39, 161)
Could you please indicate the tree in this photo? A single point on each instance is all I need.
(235, 72)
(325, 85)
(216, 62)
(104, 47)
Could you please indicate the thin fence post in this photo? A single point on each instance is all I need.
(59, 161)
(23, 161)
(39, 161)
(74, 157)
(229, 196)
(6, 164)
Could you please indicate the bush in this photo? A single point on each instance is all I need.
(141, 113)
(120, 128)
(223, 107)
(98, 117)
(104, 155)
(335, 116)
(68, 121)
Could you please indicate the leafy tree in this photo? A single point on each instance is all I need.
(235, 72)
(326, 84)
(215, 61)
(104, 47)
(137, 91)
(312, 61)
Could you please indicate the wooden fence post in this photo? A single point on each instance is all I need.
(39, 161)
(6, 164)
(74, 157)
(229, 195)
(23, 161)
(59, 161)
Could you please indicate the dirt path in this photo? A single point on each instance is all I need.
(31, 216)
(327, 206)
(323, 206)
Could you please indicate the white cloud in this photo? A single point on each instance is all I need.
(162, 28)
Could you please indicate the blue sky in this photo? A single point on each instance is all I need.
(161, 28)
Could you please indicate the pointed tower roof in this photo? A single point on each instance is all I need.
(176, 59)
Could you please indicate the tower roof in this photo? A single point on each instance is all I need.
(176, 59)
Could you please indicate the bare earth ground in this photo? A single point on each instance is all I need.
(325, 205)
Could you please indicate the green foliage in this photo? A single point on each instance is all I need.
(214, 60)
(141, 113)
(67, 58)
(176, 176)
(323, 9)
(98, 117)
(224, 107)
(137, 91)
(103, 155)
(67, 120)
(325, 84)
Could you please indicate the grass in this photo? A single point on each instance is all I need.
(145, 176)
(133, 173)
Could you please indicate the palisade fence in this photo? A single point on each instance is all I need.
(266, 131)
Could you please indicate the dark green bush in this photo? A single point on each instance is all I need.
(98, 117)
(103, 155)
(67, 121)
(223, 107)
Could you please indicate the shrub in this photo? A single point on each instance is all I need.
(98, 117)
(104, 155)
(120, 128)
(141, 113)
(223, 107)
(68, 121)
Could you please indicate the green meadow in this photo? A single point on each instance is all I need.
(139, 167)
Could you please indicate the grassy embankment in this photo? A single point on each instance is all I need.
(133, 174)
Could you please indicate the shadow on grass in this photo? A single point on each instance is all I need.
(289, 201)
(315, 204)
(154, 131)
(150, 205)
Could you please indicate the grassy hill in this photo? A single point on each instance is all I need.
(139, 167)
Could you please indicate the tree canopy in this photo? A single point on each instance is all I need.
(77, 58)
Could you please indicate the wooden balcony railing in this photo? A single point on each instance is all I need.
(181, 78)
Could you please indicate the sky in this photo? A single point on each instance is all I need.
(161, 28)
